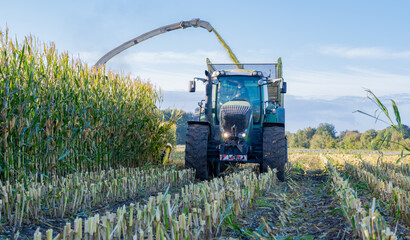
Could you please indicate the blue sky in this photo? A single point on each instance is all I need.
(331, 50)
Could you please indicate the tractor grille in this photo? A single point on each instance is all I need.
(235, 115)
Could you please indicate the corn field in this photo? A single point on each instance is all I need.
(79, 149)
(59, 116)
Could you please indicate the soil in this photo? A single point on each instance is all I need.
(301, 208)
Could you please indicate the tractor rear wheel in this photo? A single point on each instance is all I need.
(274, 150)
(196, 149)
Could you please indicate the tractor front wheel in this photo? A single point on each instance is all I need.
(196, 149)
(274, 150)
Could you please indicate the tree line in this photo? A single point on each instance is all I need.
(324, 137)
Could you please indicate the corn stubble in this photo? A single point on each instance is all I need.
(34, 199)
(196, 212)
(385, 177)
(390, 186)
(58, 116)
(389, 162)
(365, 224)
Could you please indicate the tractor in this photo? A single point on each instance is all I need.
(241, 120)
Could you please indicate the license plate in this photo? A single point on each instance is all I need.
(231, 157)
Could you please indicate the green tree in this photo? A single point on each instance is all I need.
(301, 139)
(309, 132)
(342, 134)
(367, 139)
(406, 131)
(324, 137)
(322, 140)
(351, 140)
(327, 127)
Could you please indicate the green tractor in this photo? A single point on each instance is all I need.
(241, 120)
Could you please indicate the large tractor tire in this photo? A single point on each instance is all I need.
(196, 149)
(275, 152)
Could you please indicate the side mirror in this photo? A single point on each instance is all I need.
(191, 87)
(283, 88)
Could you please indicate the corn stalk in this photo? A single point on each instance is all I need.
(33, 199)
(366, 224)
(196, 212)
(57, 116)
(398, 198)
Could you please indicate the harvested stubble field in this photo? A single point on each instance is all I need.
(326, 196)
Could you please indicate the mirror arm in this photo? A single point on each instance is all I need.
(200, 79)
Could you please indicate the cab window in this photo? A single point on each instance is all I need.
(239, 88)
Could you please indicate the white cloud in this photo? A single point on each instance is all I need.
(363, 52)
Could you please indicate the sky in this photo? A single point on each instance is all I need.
(331, 50)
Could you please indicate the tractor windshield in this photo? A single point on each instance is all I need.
(237, 88)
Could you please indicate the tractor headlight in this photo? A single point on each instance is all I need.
(257, 73)
(226, 134)
(243, 134)
(218, 73)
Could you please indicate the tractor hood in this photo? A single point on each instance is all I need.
(235, 119)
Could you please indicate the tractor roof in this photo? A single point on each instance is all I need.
(268, 69)
(237, 72)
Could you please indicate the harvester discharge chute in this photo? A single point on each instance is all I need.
(179, 25)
